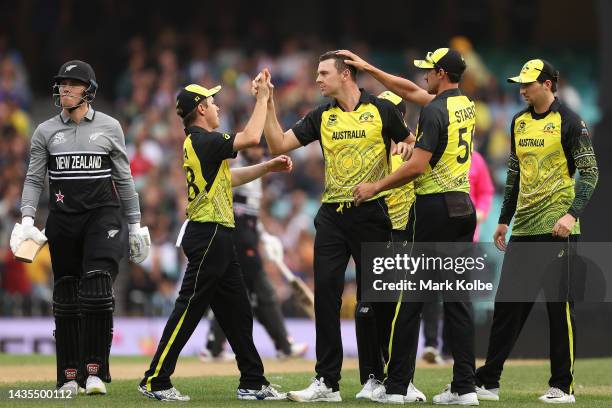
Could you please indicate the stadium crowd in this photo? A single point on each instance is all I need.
(143, 99)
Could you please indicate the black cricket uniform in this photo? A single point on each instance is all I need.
(356, 149)
(546, 151)
(213, 277)
(266, 307)
(442, 212)
(89, 179)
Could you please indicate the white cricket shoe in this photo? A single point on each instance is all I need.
(452, 398)
(94, 386)
(317, 391)
(297, 350)
(267, 392)
(414, 395)
(368, 388)
(487, 394)
(71, 388)
(556, 396)
(379, 394)
(171, 394)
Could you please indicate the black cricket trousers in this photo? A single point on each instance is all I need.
(509, 317)
(212, 278)
(340, 231)
(263, 297)
(430, 222)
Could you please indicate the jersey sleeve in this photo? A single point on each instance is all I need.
(429, 129)
(511, 189)
(308, 129)
(394, 126)
(217, 146)
(122, 176)
(580, 153)
(35, 177)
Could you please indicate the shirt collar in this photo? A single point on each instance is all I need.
(449, 92)
(364, 97)
(88, 116)
(554, 107)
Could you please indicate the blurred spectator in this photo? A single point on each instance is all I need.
(144, 100)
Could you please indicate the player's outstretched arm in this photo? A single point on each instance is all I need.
(243, 175)
(251, 135)
(403, 87)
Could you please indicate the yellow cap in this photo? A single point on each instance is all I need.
(190, 96)
(533, 70)
(446, 58)
(390, 96)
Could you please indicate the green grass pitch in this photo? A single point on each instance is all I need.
(521, 386)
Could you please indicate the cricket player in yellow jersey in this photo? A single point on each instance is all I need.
(443, 210)
(398, 202)
(355, 130)
(549, 143)
(213, 276)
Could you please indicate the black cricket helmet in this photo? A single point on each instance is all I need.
(81, 71)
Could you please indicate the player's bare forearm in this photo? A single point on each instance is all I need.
(273, 132)
(251, 135)
(402, 176)
(243, 175)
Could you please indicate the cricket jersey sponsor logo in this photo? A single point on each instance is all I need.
(59, 197)
(58, 138)
(366, 117)
(78, 162)
(94, 136)
(349, 134)
(531, 142)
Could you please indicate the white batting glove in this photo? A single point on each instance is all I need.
(140, 242)
(272, 247)
(24, 231)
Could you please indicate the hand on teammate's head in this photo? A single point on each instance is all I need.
(353, 59)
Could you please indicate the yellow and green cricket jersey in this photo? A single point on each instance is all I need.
(446, 129)
(355, 144)
(209, 181)
(399, 199)
(546, 149)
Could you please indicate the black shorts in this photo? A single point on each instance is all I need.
(82, 242)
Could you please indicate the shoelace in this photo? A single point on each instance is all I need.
(554, 392)
(271, 389)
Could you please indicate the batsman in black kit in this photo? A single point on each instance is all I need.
(83, 152)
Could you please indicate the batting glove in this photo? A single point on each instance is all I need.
(140, 242)
(272, 247)
(24, 231)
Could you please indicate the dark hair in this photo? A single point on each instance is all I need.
(553, 81)
(191, 116)
(453, 77)
(339, 63)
